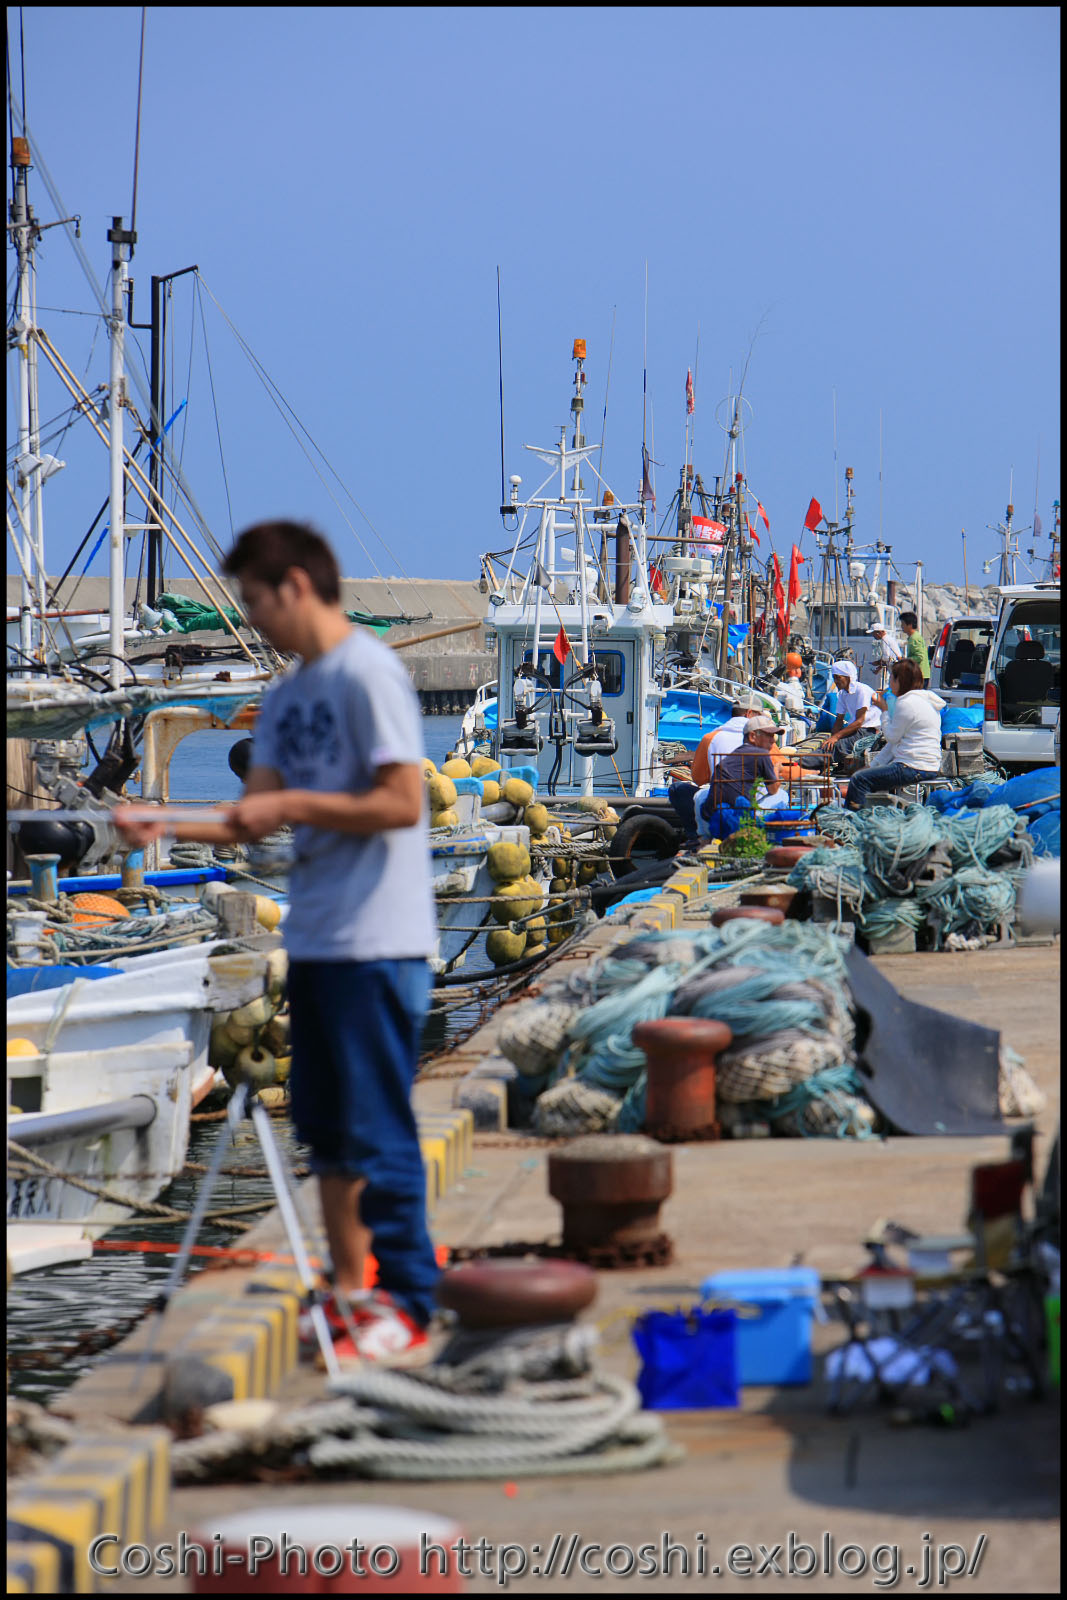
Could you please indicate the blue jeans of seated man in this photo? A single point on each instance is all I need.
(875, 780)
(681, 796)
(355, 1028)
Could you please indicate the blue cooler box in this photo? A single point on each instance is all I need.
(775, 1306)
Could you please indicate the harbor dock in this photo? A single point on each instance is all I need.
(780, 1463)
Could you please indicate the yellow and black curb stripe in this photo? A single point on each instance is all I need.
(114, 1484)
(446, 1139)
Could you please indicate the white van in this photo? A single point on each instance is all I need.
(1022, 682)
(959, 660)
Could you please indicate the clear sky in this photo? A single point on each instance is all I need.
(875, 190)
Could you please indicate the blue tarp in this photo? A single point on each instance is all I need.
(961, 719)
(31, 980)
(1034, 795)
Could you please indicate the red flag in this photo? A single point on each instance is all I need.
(794, 577)
(690, 398)
(814, 516)
(562, 647)
(655, 579)
(779, 601)
(708, 530)
(766, 519)
(752, 529)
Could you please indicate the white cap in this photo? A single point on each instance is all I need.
(761, 724)
(877, 627)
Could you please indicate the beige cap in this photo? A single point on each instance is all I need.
(760, 725)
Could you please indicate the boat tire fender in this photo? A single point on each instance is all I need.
(641, 831)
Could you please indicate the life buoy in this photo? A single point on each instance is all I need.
(643, 833)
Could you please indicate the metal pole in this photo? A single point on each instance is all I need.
(120, 239)
(919, 594)
(966, 591)
(155, 535)
(22, 232)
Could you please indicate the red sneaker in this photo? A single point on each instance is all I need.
(358, 1308)
(385, 1336)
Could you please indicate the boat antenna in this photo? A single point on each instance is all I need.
(880, 480)
(500, 360)
(137, 131)
(836, 517)
(607, 390)
(696, 380)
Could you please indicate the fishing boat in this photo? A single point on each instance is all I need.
(104, 1067)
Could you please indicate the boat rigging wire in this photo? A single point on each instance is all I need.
(214, 403)
(283, 407)
(607, 390)
(137, 131)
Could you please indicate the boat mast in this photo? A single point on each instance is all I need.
(24, 230)
(122, 241)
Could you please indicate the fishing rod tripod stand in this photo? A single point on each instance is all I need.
(242, 1104)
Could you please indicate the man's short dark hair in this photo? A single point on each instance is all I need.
(909, 619)
(738, 709)
(268, 550)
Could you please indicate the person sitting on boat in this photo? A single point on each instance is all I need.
(790, 691)
(338, 756)
(912, 750)
(737, 771)
(856, 710)
(720, 741)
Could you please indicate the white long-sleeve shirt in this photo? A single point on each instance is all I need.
(913, 732)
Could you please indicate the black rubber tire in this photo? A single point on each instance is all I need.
(642, 835)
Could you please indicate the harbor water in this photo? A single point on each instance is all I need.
(58, 1319)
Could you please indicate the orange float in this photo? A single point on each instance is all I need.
(94, 910)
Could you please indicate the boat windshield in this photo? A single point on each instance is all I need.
(857, 619)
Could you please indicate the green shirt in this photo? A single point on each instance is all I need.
(917, 652)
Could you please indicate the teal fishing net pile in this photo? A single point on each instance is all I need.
(909, 867)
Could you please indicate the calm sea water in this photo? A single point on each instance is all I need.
(111, 1287)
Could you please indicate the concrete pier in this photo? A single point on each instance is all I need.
(778, 1466)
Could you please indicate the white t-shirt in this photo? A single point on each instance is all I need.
(731, 736)
(328, 726)
(852, 701)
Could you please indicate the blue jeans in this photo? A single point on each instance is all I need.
(355, 1029)
(873, 780)
(681, 796)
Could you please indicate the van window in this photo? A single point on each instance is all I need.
(1027, 665)
(966, 654)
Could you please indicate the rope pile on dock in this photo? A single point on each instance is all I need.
(781, 990)
(910, 869)
(521, 1403)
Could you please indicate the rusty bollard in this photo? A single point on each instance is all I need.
(516, 1293)
(681, 1055)
(778, 898)
(746, 914)
(611, 1187)
(783, 857)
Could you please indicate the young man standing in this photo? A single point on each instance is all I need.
(916, 650)
(338, 756)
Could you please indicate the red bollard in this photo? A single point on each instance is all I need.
(357, 1548)
(746, 914)
(681, 1055)
(778, 898)
(784, 856)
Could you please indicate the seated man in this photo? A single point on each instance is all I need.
(741, 769)
(912, 749)
(857, 710)
(728, 736)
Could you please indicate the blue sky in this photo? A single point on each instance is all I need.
(875, 190)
